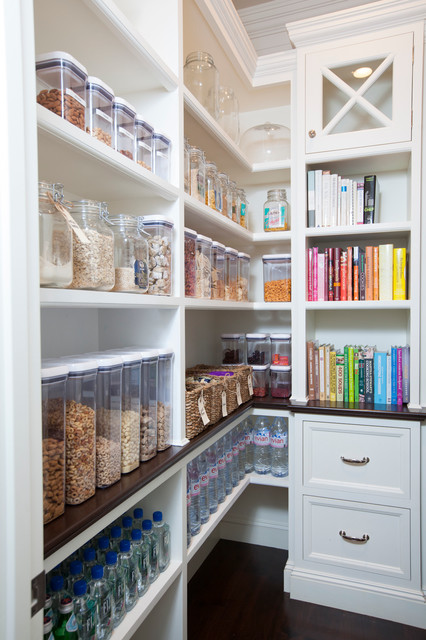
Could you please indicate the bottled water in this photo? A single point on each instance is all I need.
(115, 538)
(194, 509)
(89, 560)
(114, 575)
(229, 460)
(162, 530)
(279, 448)
(84, 611)
(47, 628)
(76, 573)
(126, 527)
(151, 538)
(203, 468)
(100, 591)
(221, 471)
(188, 509)
(137, 518)
(57, 592)
(235, 455)
(249, 445)
(103, 548)
(129, 567)
(211, 454)
(66, 627)
(262, 449)
(140, 550)
(242, 451)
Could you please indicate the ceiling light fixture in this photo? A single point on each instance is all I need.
(362, 72)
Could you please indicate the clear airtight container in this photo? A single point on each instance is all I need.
(258, 348)
(203, 266)
(190, 265)
(233, 348)
(280, 381)
(202, 79)
(243, 277)
(61, 86)
(124, 127)
(149, 404)
(130, 255)
(53, 398)
(186, 166)
(160, 232)
(161, 154)
(143, 143)
(222, 179)
(93, 253)
(277, 277)
(243, 208)
(260, 380)
(232, 195)
(165, 398)
(229, 113)
(99, 110)
(276, 211)
(231, 273)
(281, 348)
(197, 163)
(218, 271)
(55, 238)
(211, 185)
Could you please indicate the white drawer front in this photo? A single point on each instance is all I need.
(384, 453)
(387, 550)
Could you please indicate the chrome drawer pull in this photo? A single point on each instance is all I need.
(365, 538)
(365, 460)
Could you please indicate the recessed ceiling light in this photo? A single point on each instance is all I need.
(362, 72)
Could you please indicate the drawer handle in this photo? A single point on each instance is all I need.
(365, 538)
(365, 460)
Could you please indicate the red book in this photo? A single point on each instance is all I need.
(350, 290)
(325, 274)
(309, 268)
(355, 277)
(337, 283)
(344, 275)
(331, 274)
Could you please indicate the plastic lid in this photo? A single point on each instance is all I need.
(47, 624)
(232, 336)
(144, 354)
(121, 102)
(138, 513)
(259, 367)
(56, 583)
(160, 136)
(280, 336)
(127, 522)
(76, 567)
(280, 367)
(257, 336)
(155, 219)
(97, 571)
(157, 516)
(204, 238)
(53, 369)
(147, 525)
(218, 245)
(245, 256)
(166, 352)
(115, 532)
(94, 81)
(140, 121)
(80, 587)
(190, 232)
(79, 364)
(66, 605)
(136, 534)
(125, 545)
(106, 360)
(103, 543)
(277, 256)
(231, 250)
(111, 557)
(89, 554)
(60, 55)
(127, 357)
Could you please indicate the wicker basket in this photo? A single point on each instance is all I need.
(243, 372)
(212, 395)
(216, 387)
(229, 384)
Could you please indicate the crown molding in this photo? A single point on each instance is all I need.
(274, 68)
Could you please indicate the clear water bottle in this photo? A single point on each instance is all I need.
(203, 468)
(229, 461)
(57, 592)
(279, 448)
(162, 530)
(76, 573)
(242, 451)
(84, 611)
(151, 538)
(126, 527)
(140, 550)
(47, 628)
(89, 561)
(221, 471)
(114, 575)
(262, 448)
(115, 538)
(235, 457)
(249, 445)
(100, 591)
(137, 518)
(128, 564)
(211, 454)
(103, 548)
(194, 509)
(66, 627)
(188, 509)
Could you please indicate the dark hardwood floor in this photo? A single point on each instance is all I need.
(238, 594)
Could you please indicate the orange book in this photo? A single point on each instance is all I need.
(355, 278)
(344, 275)
(375, 273)
(369, 273)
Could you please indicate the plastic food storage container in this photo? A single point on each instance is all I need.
(165, 398)
(130, 254)
(281, 348)
(61, 86)
(53, 398)
(277, 277)
(197, 163)
(243, 277)
(276, 211)
(258, 348)
(243, 208)
(161, 155)
(266, 143)
(232, 195)
(124, 127)
(202, 79)
(233, 348)
(149, 404)
(203, 268)
(93, 254)
(143, 143)
(211, 185)
(186, 166)
(160, 232)
(190, 267)
(55, 238)
(99, 110)
(222, 180)
(260, 380)
(231, 273)
(280, 381)
(218, 271)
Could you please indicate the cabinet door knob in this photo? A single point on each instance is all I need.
(365, 538)
(312, 133)
(365, 460)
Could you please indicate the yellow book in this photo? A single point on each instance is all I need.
(333, 383)
(399, 270)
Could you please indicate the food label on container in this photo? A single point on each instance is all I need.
(204, 479)
(141, 271)
(224, 409)
(195, 489)
(249, 437)
(124, 131)
(250, 384)
(279, 441)
(103, 115)
(213, 473)
(221, 463)
(72, 93)
(239, 398)
(202, 409)
(261, 439)
(275, 218)
(70, 220)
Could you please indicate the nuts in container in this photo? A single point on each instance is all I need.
(124, 127)
(243, 277)
(218, 271)
(203, 266)
(160, 253)
(99, 110)
(143, 143)
(190, 264)
(165, 398)
(149, 404)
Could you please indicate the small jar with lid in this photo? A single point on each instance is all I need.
(281, 348)
(232, 193)
(61, 86)
(276, 211)
(93, 251)
(231, 273)
(222, 180)
(229, 113)
(280, 381)
(165, 398)
(190, 238)
(99, 110)
(243, 208)
(186, 166)
(260, 380)
(211, 185)
(277, 277)
(149, 404)
(258, 348)
(233, 348)
(203, 269)
(130, 254)
(143, 143)
(124, 115)
(218, 271)
(161, 155)
(243, 277)
(160, 231)
(202, 79)
(55, 238)
(198, 174)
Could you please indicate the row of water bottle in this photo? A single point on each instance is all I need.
(91, 591)
(211, 476)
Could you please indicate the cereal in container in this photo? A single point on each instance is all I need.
(99, 110)
(203, 268)
(277, 277)
(190, 237)
(218, 271)
(124, 127)
(231, 273)
(149, 404)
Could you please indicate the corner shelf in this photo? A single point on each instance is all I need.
(378, 228)
(77, 298)
(204, 219)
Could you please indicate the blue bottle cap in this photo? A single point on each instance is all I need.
(103, 543)
(80, 587)
(138, 513)
(157, 516)
(56, 583)
(111, 557)
(97, 571)
(147, 525)
(127, 522)
(136, 534)
(116, 532)
(76, 567)
(125, 545)
(89, 554)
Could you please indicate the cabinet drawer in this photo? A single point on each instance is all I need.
(354, 458)
(385, 552)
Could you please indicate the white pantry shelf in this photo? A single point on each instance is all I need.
(359, 305)
(378, 228)
(78, 298)
(204, 219)
(222, 305)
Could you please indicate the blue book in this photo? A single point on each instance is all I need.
(380, 377)
(393, 376)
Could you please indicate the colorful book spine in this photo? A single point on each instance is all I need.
(333, 390)
(321, 277)
(340, 367)
(321, 351)
(316, 370)
(385, 271)
(361, 369)
(399, 273)
(351, 378)
(388, 379)
(337, 283)
(346, 374)
(310, 361)
(393, 376)
(315, 273)
(350, 270)
(406, 374)
(356, 376)
(399, 376)
(375, 273)
(379, 377)
(369, 273)
(362, 274)
(369, 376)
(331, 274)
(369, 199)
(344, 275)
(355, 280)
(309, 269)
(311, 199)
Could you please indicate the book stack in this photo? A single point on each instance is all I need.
(356, 273)
(358, 374)
(335, 201)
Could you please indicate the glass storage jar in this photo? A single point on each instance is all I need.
(149, 404)
(211, 185)
(143, 143)
(276, 211)
(198, 174)
(280, 381)
(258, 348)
(190, 262)
(231, 273)
(281, 348)
(130, 254)
(124, 115)
(229, 113)
(243, 208)
(260, 380)
(55, 238)
(232, 195)
(161, 154)
(222, 179)
(266, 142)
(233, 348)
(53, 398)
(243, 277)
(203, 268)
(277, 277)
(218, 271)
(202, 79)
(93, 261)
(61, 86)
(165, 398)
(186, 166)
(99, 110)
(160, 232)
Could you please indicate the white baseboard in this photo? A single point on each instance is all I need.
(266, 534)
